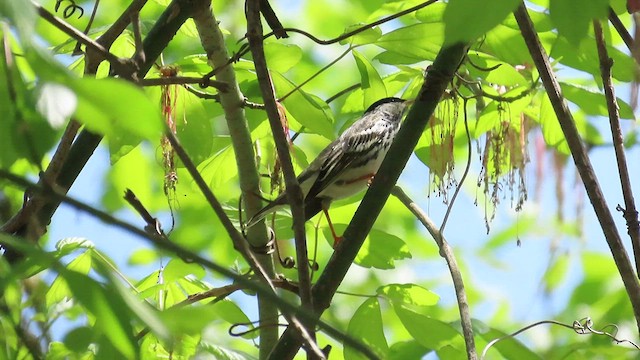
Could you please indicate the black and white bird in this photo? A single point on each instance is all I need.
(347, 165)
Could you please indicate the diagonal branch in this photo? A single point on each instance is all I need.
(447, 253)
(293, 190)
(630, 213)
(580, 158)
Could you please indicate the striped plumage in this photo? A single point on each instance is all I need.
(346, 166)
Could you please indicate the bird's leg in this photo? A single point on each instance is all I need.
(336, 238)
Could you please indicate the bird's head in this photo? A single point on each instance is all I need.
(391, 107)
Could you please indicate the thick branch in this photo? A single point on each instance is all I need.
(437, 79)
(630, 212)
(580, 158)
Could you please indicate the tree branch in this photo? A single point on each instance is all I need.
(232, 103)
(447, 253)
(630, 213)
(580, 158)
(293, 190)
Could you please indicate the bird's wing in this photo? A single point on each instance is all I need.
(356, 142)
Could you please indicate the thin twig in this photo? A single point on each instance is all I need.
(580, 158)
(466, 169)
(630, 212)
(121, 67)
(317, 73)
(579, 328)
(77, 50)
(456, 276)
(183, 80)
(621, 29)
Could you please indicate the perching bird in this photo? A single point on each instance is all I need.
(347, 165)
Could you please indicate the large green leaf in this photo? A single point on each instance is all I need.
(281, 57)
(593, 102)
(366, 326)
(573, 17)
(408, 295)
(419, 41)
(466, 20)
(309, 110)
(429, 332)
(112, 106)
(370, 81)
(112, 316)
(381, 250)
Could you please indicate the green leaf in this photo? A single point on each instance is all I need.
(593, 102)
(463, 21)
(380, 250)
(79, 339)
(23, 16)
(68, 245)
(557, 272)
(408, 294)
(177, 269)
(222, 353)
(143, 257)
(501, 73)
(281, 57)
(111, 314)
(573, 17)
(59, 289)
(551, 130)
(366, 326)
(307, 109)
(430, 333)
(189, 320)
(419, 41)
(371, 82)
(583, 57)
(368, 36)
(113, 106)
(407, 350)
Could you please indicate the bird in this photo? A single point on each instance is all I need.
(348, 164)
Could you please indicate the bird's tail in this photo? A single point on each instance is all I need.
(312, 206)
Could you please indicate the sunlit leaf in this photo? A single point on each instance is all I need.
(408, 294)
(281, 57)
(111, 106)
(370, 80)
(429, 332)
(366, 326)
(381, 250)
(460, 13)
(573, 18)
